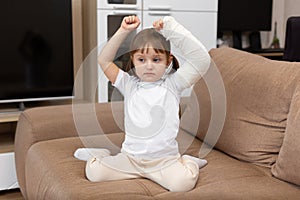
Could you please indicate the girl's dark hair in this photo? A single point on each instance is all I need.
(151, 37)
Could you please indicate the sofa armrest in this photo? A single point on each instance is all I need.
(54, 122)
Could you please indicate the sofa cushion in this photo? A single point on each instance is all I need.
(288, 163)
(53, 173)
(259, 93)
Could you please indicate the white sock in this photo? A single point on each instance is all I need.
(201, 162)
(88, 153)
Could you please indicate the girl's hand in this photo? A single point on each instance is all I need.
(158, 25)
(130, 22)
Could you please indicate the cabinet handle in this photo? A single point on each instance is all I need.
(159, 7)
(124, 12)
(160, 13)
(127, 7)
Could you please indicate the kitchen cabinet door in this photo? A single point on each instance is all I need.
(120, 4)
(180, 5)
(202, 24)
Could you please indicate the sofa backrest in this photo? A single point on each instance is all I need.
(259, 93)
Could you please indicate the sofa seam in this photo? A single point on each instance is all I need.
(145, 188)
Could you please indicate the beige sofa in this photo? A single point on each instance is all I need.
(257, 155)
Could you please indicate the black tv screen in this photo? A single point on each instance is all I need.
(36, 54)
(244, 15)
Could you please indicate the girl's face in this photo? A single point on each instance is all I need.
(150, 65)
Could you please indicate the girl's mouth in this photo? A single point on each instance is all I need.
(149, 73)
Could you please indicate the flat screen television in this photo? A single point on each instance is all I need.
(36, 54)
(244, 15)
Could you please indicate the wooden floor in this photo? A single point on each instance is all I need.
(14, 194)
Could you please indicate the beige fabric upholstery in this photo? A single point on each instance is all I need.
(223, 178)
(47, 123)
(287, 165)
(259, 93)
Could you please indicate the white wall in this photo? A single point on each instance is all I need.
(278, 13)
(282, 10)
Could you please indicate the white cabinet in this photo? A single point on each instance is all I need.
(8, 175)
(180, 5)
(198, 16)
(201, 24)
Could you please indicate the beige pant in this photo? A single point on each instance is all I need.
(174, 173)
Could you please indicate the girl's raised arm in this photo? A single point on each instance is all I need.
(197, 59)
(108, 53)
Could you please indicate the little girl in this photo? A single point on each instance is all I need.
(151, 100)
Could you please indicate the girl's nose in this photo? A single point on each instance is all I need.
(149, 65)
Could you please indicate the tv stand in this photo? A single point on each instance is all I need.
(8, 119)
(10, 113)
(274, 54)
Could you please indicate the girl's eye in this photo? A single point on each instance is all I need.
(141, 60)
(156, 59)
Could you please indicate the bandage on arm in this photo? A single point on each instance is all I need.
(197, 59)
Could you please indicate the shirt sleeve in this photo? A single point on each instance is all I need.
(196, 57)
(124, 82)
(120, 82)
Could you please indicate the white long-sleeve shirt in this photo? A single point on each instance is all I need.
(151, 109)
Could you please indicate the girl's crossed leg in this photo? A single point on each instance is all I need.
(176, 174)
